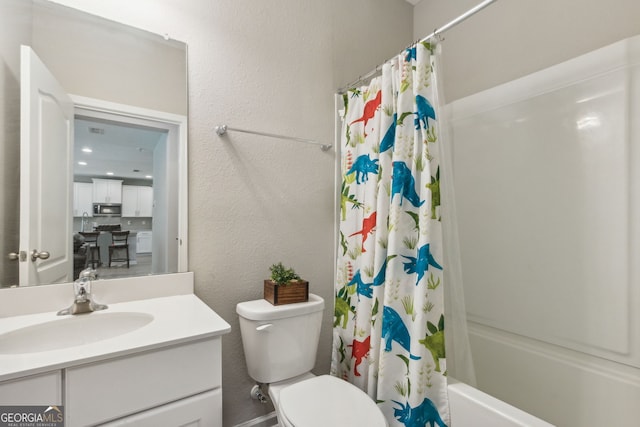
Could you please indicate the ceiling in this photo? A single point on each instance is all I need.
(123, 149)
(414, 2)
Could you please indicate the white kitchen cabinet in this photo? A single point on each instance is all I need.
(144, 242)
(137, 201)
(82, 198)
(107, 190)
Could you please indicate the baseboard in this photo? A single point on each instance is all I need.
(268, 420)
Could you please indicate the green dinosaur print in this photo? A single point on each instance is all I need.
(403, 116)
(347, 198)
(343, 244)
(434, 186)
(342, 350)
(342, 309)
(435, 342)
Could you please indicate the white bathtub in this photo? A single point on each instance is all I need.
(471, 407)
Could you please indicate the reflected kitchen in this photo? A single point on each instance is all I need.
(96, 233)
(113, 198)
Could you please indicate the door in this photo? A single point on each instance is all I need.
(46, 175)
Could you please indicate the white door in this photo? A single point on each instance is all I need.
(46, 175)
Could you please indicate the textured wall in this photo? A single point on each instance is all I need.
(270, 66)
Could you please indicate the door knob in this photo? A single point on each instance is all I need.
(42, 255)
(22, 256)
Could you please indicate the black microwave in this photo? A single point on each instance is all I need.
(107, 209)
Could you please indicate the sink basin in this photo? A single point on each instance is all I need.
(72, 331)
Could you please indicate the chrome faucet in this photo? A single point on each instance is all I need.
(82, 302)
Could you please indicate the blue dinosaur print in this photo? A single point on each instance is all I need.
(425, 111)
(362, 288)
(363, 166)
(420, 416)
(389, 137)
(410, 54)
(404, 184)
(382, 274)
(366, 289)
(421, 264)
(394, 329)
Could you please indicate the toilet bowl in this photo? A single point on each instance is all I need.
(324, 401)
(280, 344)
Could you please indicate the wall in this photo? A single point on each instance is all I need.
(18, 32)
(510, 39)
(576, 371)
(269, 66)
(111, 62)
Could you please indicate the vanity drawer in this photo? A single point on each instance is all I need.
(103, 391)
(204, 409)
(42, 389)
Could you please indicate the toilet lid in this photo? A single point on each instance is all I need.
(328, 401)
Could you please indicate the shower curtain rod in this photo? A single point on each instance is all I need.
(222, 129)
(435, 33)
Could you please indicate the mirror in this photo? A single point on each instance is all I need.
(119, 77)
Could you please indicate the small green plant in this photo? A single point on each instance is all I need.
(283, 275)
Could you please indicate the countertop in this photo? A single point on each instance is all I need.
(176, 319)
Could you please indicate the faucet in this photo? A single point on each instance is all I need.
(82, 302)
(85, 220)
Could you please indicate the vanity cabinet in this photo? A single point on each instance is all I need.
(40, 389)
(174, 385)
(137, 201)
(107, 190)
(82, 198)
(144, 381)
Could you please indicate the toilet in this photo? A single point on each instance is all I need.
(280, 344)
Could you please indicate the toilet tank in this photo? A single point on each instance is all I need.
(280, 341)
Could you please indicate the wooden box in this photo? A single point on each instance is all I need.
(286, 294)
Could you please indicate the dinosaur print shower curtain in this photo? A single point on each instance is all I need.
(389, 308)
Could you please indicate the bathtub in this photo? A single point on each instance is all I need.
(471, 407)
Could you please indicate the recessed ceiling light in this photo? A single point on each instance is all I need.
(148, 176)
(87, 150)
(110, 173)
(82, 163)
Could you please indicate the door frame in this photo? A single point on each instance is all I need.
(98, 108)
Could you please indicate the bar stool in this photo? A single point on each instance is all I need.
(91, 237)
(119, 242)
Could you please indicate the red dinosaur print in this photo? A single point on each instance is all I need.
(368, 224)
(359, 351)
(370, 109)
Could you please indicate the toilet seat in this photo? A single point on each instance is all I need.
(328, 401)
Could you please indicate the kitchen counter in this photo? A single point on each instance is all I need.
(104, 241)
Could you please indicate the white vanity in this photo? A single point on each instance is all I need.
(142, 362)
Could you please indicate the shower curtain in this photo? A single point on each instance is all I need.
(389, 322)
